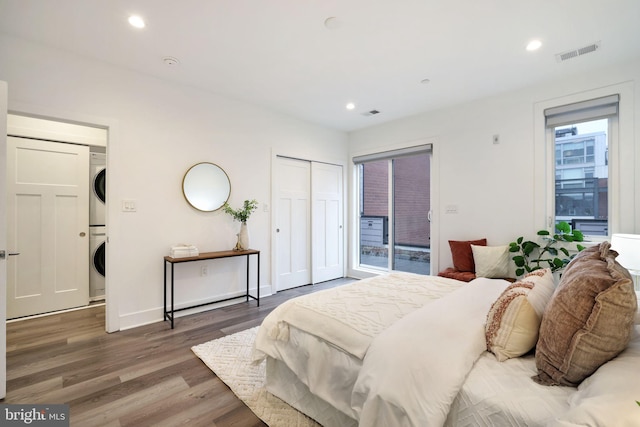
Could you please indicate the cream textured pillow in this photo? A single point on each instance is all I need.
(589, 320)
(514, 318)
(491, 261)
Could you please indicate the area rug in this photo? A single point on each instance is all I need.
(229, 358)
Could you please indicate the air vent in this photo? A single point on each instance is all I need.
(565, 56)
(371, 113)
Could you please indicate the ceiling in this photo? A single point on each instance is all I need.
(375, 53)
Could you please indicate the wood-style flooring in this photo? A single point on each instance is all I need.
(138, 377)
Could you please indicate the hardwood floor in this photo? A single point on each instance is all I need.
(139, 377)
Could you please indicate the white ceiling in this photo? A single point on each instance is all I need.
(279, 54)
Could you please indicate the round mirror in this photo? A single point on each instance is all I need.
(206, 187)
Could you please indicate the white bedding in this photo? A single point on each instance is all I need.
(350, 316)
(415, 368)
(323, 356)
(492, 394)
(502, 394)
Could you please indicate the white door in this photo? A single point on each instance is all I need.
(293, 223)
(48, 225)
(326, 217)
(3, 240)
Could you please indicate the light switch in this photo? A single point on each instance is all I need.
(129, 206)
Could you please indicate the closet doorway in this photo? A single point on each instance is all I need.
(308, 217)
(48, 190)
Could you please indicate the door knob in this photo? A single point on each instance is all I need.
(82, 234)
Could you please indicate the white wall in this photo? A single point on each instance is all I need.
(497, 187)
(157, 130)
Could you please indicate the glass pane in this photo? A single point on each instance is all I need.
(374, 211)
(411, 205)
(582, 184)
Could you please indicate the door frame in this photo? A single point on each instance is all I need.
(3, 240)
(30, 112)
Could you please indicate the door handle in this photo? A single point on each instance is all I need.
(3, 254)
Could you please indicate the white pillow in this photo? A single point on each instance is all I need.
(491, 261)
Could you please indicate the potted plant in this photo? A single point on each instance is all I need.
(242, 215)
(531, 256)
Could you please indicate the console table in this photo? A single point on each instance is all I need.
(169, 314)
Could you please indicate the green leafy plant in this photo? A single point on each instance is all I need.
(531, 256)
(241, 214)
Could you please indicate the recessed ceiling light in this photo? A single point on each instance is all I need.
(534, 45)
(332, 23)
(170, 60)
(350, 106)
(136, 21)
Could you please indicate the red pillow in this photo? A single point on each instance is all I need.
(452, 273)
(462, 254)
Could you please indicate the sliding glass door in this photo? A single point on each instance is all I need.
(411, 205)
(394, 205)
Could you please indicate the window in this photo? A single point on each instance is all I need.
(581, 136)
(394, 205)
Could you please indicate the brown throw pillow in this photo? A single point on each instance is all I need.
(589, 320)
(463, 255)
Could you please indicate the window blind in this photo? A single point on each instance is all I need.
(582, 111)
(393, 154)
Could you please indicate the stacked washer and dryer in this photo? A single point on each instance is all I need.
(97, 225)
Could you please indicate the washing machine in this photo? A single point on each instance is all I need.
(97, 251)
(98, 196)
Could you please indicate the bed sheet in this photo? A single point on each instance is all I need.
(502, 394)
(325, 370)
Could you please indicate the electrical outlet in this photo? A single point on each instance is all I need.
(205, 270)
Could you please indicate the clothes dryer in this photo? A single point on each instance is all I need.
(98, 196)
(97, 251)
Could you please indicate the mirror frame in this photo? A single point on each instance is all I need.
(194, 191)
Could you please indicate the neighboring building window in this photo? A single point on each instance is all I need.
(582, 136)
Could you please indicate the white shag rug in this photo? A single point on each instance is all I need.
(229, 358)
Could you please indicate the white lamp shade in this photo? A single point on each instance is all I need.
(628, 248)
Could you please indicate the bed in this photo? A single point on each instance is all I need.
(407, 349)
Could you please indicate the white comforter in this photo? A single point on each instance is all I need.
(351, 316)
(414, 369)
